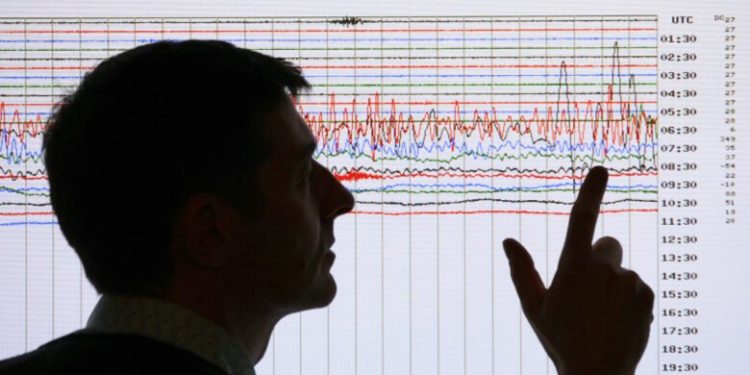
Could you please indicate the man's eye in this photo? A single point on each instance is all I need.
(308, 177)
(311, 177)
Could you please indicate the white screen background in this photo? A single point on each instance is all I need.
(451, 124)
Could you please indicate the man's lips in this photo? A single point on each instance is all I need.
(329, 257)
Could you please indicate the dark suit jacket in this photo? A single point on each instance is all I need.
(100, 353)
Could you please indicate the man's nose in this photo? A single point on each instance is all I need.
(337, 199)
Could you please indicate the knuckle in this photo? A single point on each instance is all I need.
(608, 241)
(648, 295)
(610, 271)
(630, 278)
(648, 292)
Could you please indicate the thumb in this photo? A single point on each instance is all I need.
(610, 250)
(529, 285)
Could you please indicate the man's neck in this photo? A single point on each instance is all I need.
(251, 326)
(254, 330)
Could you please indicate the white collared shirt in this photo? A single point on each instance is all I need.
(170, 324)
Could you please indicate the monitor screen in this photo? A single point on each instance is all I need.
(455, 124)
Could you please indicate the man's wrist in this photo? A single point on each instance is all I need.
(587, 369)
(595, 372)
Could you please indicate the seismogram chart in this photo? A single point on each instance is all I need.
(452, 133)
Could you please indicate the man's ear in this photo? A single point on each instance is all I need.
(205, 230)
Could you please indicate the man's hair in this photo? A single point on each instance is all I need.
(146, 129)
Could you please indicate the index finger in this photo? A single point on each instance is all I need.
(585, 212)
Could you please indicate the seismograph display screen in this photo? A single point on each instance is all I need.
(453, 133)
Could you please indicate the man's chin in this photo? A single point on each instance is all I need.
(325, 288)
(328, 291)
(320, 294)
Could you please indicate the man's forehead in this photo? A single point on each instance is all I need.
(289, 131)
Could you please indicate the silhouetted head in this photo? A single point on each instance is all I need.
(178, 162)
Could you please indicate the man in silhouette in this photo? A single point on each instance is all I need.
(182, 175)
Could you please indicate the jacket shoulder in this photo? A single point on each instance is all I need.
(102, 353)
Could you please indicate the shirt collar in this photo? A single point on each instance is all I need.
(171, 324)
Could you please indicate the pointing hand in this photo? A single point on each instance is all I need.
(595, 316)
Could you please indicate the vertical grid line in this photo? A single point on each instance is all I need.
(520, 183)
(52, 78)
(437, 195)
(328, 161)
(546, 162)
(26, 196)
(630, 183)
(492, 202)
(273, 333)
(356, 226)
(299, 63)
(408, 153)
(463, 217)
(382, 222)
